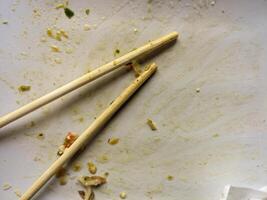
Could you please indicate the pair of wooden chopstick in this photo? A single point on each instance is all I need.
(91, 131)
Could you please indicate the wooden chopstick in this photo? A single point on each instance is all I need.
(89, 133)
(148, 48)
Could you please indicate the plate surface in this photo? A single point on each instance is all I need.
(205, 139)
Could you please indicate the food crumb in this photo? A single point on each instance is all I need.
(55, 48)
(81, 119)
(215, 135)
(61, 5)
(40, 136)
(212, 3)
(49, 32)
(58, 36)
(116, 52)
(106, 174)
(70, 139)
(68, 12)
(76, 166)
(123, 195)
(87, 11)
(169, 178)
(113, 141)
(198, 90)
(151, 124)
(5, 22)
(60, 150)
(6, 186)
(24, 88)
(135, 30)
(91, 167)
(63, 180)
(92, 180)
(63, 33)
(86, 27)
(62, 177)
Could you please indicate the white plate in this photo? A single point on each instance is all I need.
(204, 140)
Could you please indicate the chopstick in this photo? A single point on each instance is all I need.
(104, 69)
(89, 133)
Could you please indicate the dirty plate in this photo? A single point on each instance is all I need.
(207, 100)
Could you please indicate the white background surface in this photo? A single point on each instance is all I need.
(204, 140)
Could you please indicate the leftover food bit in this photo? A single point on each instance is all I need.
(198, 90)
(68, 12)
(136, 68)
(135, 30)
(88, 182)
(86, 27)
(58, 36)
(88, 194)
(61, 5)
(76, 166)
(24, 88)
(61, 150)
(6, 186)
(49, 32)
(151, 124)
(87, 11)
(169, 178)
(91, 167)
(63, 33)
(5, 22)
(113, 141)
(123, 195)
(215, 135)
(106, 174)
(55, 48)
(62, 177)
(212, 3)
(40, 136)
(68, 141)
(116, 52)
(81, 119)
(92, 181)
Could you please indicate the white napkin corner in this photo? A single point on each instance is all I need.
(243, 193)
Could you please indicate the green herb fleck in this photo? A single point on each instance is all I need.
(68, 12)
(24, 88)
(87, 11)
(170, 178)
(116, 52)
